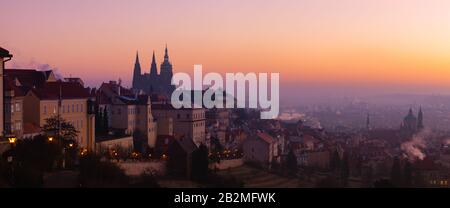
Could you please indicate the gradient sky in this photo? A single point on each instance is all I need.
(368, 44)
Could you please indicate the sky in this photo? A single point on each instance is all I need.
(323, 46)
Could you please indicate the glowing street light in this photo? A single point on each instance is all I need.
(12, 140)
(50, 139)
(71, 145)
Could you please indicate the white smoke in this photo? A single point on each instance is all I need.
(447, 142)
(33, 64)
(413, 148)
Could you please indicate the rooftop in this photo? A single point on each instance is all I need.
(4, 53)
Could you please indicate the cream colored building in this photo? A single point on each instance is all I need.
(188, 122)
(124, 143)
(127, 111)
(17, 83)
(40, 104)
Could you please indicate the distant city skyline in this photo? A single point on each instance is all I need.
(319, 47)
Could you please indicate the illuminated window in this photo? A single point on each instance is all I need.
(45, 110)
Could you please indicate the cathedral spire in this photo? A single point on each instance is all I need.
(136, 71)
(166, 54)
(153, 67)
(137, 58)
(420, 119)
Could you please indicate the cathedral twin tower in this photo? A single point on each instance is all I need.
(154, 83)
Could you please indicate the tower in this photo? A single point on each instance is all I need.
(420, 119)
(153, 67)
(368, 122)
(137, 73)
(166, 73)
(410, 122)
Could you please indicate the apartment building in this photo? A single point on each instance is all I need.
(33, 96)
(127, 111)
(70, 101)
(187, 122)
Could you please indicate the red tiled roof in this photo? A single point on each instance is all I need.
(10, 85)
(28, 77)
(69, 90)
(30, 128)
(113, 88)
(265, 137)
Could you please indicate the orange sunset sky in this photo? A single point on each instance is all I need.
(367, 43)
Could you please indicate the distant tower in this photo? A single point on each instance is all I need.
(137, 73)
(153, 67)
(410, 122)
(368, 122)
(420, 119)
(166, 73)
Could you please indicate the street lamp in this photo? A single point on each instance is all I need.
(50, 139)
(12, 140)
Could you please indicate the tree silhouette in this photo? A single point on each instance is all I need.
(291, 162)
(105, 123)
(407, 174)
(396, 173)
(335, 162)
(345, 169)
(57, 126)
(200, 163)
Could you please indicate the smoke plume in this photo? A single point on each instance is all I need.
(413, 148)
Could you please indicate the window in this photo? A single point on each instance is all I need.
(18, 107)
(45, 110)
(18, 126)
(54, 110)
(12, 108)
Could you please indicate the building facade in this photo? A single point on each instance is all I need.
(4, 57)
(127, 111)
(71, 104)
(187, 122)
(33, 96)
